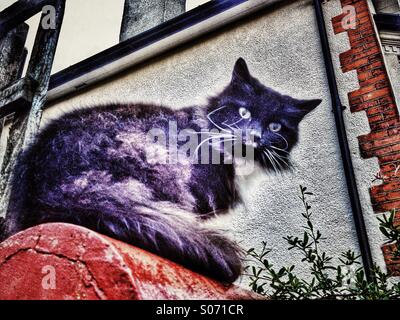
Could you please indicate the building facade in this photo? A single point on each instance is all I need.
(185, 60)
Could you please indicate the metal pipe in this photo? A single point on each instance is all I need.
(344, 146)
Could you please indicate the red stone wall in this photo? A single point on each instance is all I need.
(67, 262)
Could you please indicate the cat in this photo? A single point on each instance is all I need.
(91, 167)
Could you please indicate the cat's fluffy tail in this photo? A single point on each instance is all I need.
(179, 237)
(161, 228)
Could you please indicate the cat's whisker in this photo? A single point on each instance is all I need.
(267, 161)
(290, 166)
(220, 128)
(212, 121)
(208, 139)
(274, 158)
(279, 149)
(228, 125)
(216, 134)
(224, 151)
(270, 160)
(208, 132)
(263, 158)
(284, 139)
(223, 135)
(235, 123)
(287, 162)
(213, 133)
(202, 142)
(225, 140)
(280, 158)
(274, 162)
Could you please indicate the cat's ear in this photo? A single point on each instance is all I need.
(305, 106)
(241, 71)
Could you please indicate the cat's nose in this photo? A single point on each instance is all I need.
(255, 137)
(256, 134)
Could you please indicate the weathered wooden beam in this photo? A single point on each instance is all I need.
(12, 58)
(12, 51)
(142, 15)
(19, 12)
(17, 96)
(26, 123)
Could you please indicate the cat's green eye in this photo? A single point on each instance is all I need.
(244, 113)
(275, 127)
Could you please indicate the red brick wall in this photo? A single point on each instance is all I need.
(375, 98)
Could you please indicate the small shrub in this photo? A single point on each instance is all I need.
(344, 279)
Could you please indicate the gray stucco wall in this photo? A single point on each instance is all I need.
(393, 65)
(282, 49)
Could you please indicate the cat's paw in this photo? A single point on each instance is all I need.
(225, 261)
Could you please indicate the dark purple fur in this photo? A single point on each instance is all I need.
(87, 168)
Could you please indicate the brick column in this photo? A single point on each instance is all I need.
(376, 99)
